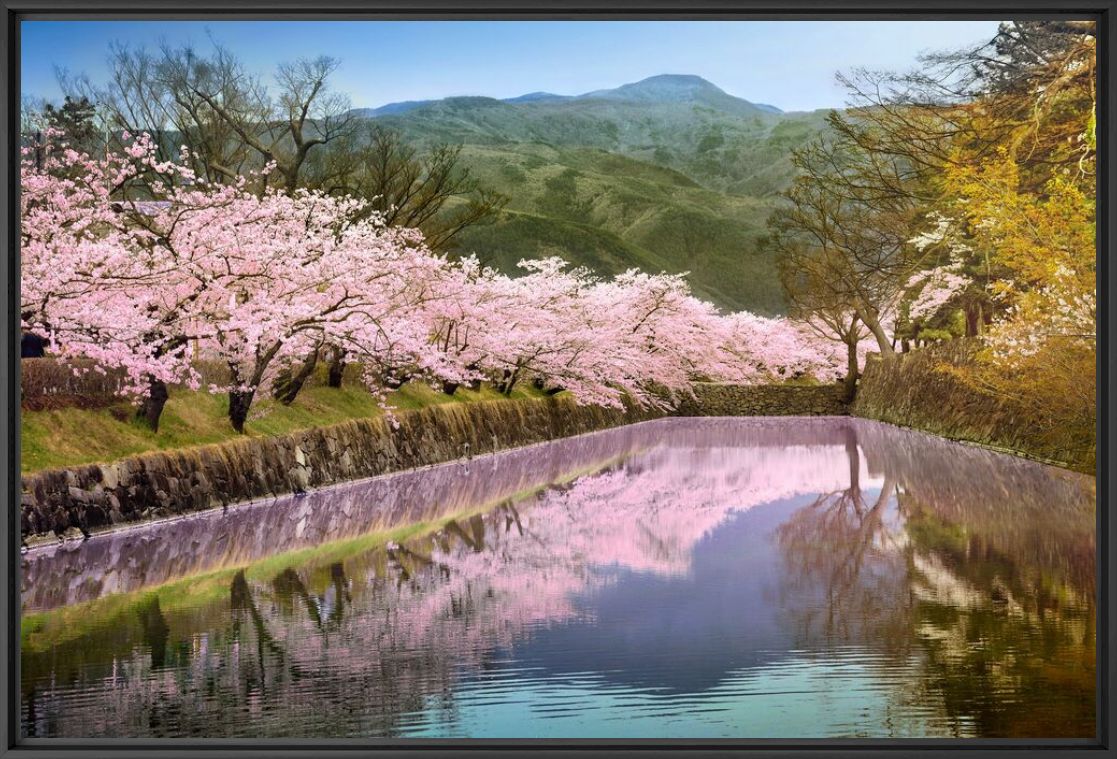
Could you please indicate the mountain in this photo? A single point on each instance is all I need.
(676, 88)
(390, 109)
(669, 173)
(538, 97)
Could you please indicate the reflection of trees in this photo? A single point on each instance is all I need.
(1008, 652)
(997, 600)
(474, 537)
(242, 602)
(844, 580)
(288, 587)
(427, 609)
(924, 570)
(1040, 516)
(212, 540)
(155, 631)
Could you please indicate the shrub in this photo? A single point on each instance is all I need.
(49, 383)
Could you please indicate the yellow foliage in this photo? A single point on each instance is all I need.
(1029, 213)
(1056, 387)
(1035, 238)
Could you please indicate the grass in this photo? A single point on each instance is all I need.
(71, 437)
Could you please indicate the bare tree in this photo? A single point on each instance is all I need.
(432, 192)
(227, 117)
(813, 300)
(846, 226)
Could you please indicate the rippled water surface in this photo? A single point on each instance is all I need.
(679, 578)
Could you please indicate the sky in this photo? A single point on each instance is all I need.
(789, 64)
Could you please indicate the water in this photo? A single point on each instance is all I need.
(738, 578)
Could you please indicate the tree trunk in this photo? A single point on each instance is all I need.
(849, 386)
(240, 401)
(152, 406)
(509, 382)
(853, 455)
(336, 367)
(973, 318)
(474, 385)
(288, 383)
(450, 387)
(873, 323)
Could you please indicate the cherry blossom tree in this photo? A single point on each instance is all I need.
(88, 279)
(139, 263)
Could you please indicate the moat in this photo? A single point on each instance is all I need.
(736, 578)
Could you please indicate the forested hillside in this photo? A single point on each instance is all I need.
(667, 174)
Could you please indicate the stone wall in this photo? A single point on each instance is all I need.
(917, 389)
(718, 399)
(168, 483)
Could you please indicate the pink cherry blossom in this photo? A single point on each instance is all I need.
(132, 262)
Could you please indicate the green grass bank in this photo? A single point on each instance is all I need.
(69, 437)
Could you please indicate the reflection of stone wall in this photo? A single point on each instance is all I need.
(717, 399)
(175, 482)
(968, 594)
(913, 390)
(1010, 506)
(128, 560)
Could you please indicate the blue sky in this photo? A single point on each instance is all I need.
(790, 64)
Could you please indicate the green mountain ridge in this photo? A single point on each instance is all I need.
(667, 174)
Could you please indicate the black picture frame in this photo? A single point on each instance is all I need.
(1103, 11)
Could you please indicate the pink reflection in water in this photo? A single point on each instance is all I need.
(864, 541)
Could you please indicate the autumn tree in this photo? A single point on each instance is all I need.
(1004, 134)
(824, 309)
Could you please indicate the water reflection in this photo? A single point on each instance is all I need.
(679, 578)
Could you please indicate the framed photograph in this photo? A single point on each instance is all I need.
(415, 378)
